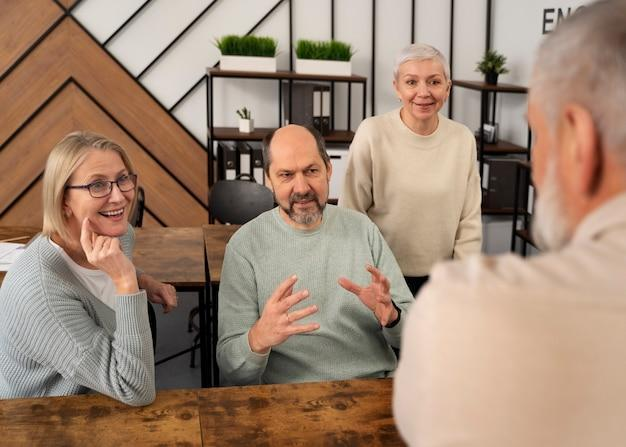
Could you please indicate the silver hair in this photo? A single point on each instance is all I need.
(420, 52)
(584, 61)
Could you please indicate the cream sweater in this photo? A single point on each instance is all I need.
(423, 192)
(505, 351)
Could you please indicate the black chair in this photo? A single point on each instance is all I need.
(239, 201)
(233, 202)
(136, 220)
(136, 215)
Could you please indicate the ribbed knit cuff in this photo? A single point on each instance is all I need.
(254, 359)
(132, 314)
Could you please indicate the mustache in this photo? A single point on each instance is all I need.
(298, 197)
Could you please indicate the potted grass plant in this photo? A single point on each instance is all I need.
(247, 53)
(323, 57)
(491, 65)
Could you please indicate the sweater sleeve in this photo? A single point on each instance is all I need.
(400, 293)
(56, 331)
(357, 185)
(238, 311)
(468, 238)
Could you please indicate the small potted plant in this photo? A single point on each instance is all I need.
(323, 57)
(247, 53)
(246, 123)
(491, 65)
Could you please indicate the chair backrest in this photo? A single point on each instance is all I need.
(238, 201)
(136, 215)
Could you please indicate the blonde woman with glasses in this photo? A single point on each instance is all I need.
(74, 314)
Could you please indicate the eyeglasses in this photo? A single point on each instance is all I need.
(102, 188)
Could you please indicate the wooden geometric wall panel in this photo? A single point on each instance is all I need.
(66, 81)
(22, 22)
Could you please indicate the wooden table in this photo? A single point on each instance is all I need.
(176, 256)
(172, 255)
(216, 237)
(356, 412)
(13, 232)
(94, 419)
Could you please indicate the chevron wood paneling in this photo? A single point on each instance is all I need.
(23, 158)
(22, 22)
(67, 4)
(28, 211)
(68, 82)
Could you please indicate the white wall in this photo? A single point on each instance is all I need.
(517, 28)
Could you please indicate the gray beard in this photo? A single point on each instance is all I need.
(303, 217)
(550, 226)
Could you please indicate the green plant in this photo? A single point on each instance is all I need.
(332, 50)
(492, 62)
(244, 113)
(233, 45)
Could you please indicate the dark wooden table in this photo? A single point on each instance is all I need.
(17, 232)
(172, 255)
(216, 236)
(356, 412)
(176, 256)
(215, 239)
(94, 419)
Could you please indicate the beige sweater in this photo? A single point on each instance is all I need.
(423, 192)
(502, 351)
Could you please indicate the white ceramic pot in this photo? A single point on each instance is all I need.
(248, 63)
(246, 126)
(321, 67)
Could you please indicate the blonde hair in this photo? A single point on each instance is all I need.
(63, 160)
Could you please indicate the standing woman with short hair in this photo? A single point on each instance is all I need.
(74, 317)
(413, 171)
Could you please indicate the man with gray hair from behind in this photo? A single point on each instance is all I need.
(501, 351)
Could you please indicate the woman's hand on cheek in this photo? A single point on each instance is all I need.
(105, 253)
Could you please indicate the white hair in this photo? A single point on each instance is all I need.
(420, 52)
(584, 61)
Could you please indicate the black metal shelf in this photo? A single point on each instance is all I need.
(233, 134)
(282, 76)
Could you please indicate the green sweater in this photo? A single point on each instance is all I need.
(58, 339)
(350, 342)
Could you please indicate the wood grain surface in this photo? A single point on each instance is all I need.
(356, 412)
(171, 163)
(172, 255)
(216, 237)
(172, 420)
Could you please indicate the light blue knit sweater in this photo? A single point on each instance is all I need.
(350, 342)
(58, 339)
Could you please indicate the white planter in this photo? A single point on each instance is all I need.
(321, 67)
(248, 63)
(246, 126)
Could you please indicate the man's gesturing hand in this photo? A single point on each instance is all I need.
(277, 324)
(375, 296)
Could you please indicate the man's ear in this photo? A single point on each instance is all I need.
(329, 170)
(583, 145)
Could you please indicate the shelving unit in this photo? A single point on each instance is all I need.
(232, 133)
(522, 176)
(501, 147)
